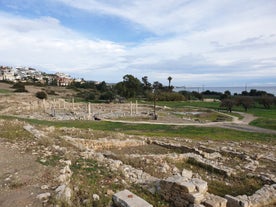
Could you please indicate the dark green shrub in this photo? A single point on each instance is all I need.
(19, 87)
(41, 95)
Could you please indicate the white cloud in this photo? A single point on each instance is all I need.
(44, 42)
(194, 40)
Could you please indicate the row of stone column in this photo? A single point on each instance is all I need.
(61, 104)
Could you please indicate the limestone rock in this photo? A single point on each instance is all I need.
(96, 197)
(214, 201)
(64, 193)
(126, 198)
(187, 173)
(43, 196)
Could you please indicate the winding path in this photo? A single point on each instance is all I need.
(236, 124)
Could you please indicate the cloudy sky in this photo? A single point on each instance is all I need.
(196, 42)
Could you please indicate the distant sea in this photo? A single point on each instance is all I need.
(238, 90)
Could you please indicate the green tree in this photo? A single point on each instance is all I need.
(130, 87)
(133, 86)
(157, 86)
(146, 84)
(102, 86)
(266, 101)
(108, 96)
(169, 79)
(245, 101)
(228, 103)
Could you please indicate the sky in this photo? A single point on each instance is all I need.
(196, 42)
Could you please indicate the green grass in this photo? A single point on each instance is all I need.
(14, 131)
(179, 104)
(4, 91)
(267, 117)
(236, 185)
(264, 113)
(193, 132)
(264, 123)
(50, 161)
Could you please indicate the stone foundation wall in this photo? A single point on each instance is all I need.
(263, 197)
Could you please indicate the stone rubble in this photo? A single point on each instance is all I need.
(103, 143)
(44, 196)
(63, 191)
(183, 191)
(209, 159)
(38, 134)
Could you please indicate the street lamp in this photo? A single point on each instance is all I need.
(154, 105)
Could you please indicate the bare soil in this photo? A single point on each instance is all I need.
(21, 176)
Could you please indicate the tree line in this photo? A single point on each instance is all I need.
(131, 87)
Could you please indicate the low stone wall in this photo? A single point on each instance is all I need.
(103, 143)
(265, 196)
(184, 191)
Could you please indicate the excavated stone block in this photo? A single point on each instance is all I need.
(215, 201)
(195, 198)
(126, 198)
(187, 187)
(201, 185)
(236, 202)
(187, 173)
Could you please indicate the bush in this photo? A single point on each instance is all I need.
(19, 87)
(41, 95)
(51, 92)
(166, 96)
(21, 90)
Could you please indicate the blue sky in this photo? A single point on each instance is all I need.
(196, 42)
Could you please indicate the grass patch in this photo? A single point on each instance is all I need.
(13, 130)
(235, 186)
(50, 161)
(264, 123)
(268, 116)
(4, 91)
(219, 184)
(92, 178)
(193, 132)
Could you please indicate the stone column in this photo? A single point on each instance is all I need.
(64, 104)
(73, 104)
(89, 110)
(136, 107)
(53, 110)
(131, 108)
(44, 105)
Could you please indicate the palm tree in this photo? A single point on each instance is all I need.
(169, 79)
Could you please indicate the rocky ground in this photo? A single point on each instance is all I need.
(49, 166)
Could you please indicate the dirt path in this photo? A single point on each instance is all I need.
(236, 124)
(21, 177)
